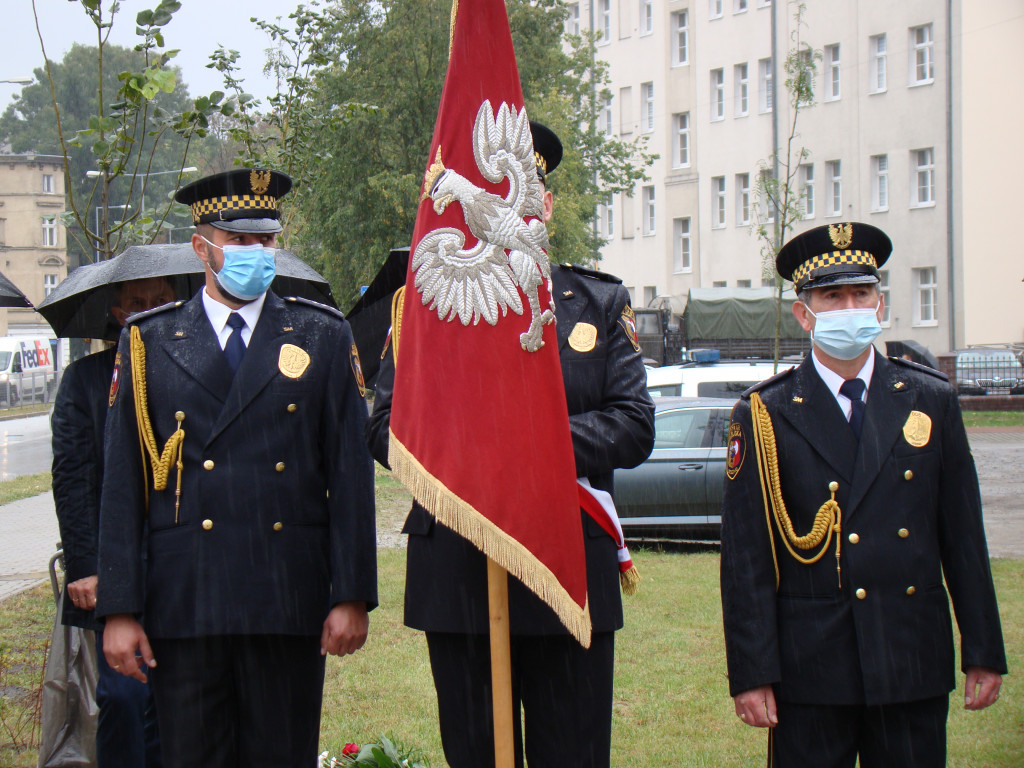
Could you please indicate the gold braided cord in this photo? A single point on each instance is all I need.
(396, 321)
(160, 461)
(827, 520)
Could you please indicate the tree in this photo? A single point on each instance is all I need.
(780, 196)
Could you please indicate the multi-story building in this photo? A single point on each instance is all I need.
(33, 246)
(901, 136)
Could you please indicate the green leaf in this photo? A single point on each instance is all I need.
(100, 148)
(144, 18)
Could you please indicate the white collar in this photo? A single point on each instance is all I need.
(834, 381)
(218, 313)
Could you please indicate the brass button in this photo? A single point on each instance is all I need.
(292, 407)
(207, 524)
(833, 486)
(278, 526)
(279, 466)
(908, 475)
(903, 533)
(861, 594)
(854, 538)
(911, 590)
(208, 464)
(179, 415)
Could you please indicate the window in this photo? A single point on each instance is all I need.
(739, 6)
(880, 183)
(647, 120)
(646, 17)
(922, 67)
(835, 187)
(49, 283)
(647, 201)
(604, 21)
(628, 228)
(807, 189)
(719, 284)
(925, 294)
(609, 212)
(626, 110)
(680, 38)
(715, 9)
(832, 91)
(650, 291)
(718, 206)
(681, 150)
(765, 77)
(877, 64)
(741, 84)
(605, 118)
(883, 288)
(717, 94)
(572, 23)
(743, 284)
(681, 244)
(765, 181)
(48, 183)
(742, 199)
(49, 231)
(923, 183)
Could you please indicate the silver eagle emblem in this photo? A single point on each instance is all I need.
(481, 281)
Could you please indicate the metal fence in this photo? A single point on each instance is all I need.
(24, 388)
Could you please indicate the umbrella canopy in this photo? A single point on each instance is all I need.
(370, 317)
(10, 296)
(912, 350)
(80, 306)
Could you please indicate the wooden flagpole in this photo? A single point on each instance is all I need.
(501, 665)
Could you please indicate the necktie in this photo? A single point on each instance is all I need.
(854, 389)
(235, 348)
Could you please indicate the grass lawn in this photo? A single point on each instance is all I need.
(671, 702)
(993, 419)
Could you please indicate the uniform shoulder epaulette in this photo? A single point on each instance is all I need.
(918, 367)
(316, 305)
(587, 272)
(767, 382)
(155, 311)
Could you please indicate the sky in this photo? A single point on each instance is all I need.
(197, 29)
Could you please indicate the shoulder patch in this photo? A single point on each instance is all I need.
(736, 444)
(587, 272)
(115, 381)
(628, 322)
(768, 382)
(155, 311)
(357, 369)
(316, 305)
(918, 367)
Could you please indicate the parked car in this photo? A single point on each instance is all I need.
(677, 491)
(989, 371)
(27, 371)
(728, 378)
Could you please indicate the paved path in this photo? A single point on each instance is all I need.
(28, 538)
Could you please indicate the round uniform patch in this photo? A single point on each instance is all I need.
(115, 380)
(736, 450)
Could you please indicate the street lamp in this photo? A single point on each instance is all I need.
(142, 210)
(18, 80)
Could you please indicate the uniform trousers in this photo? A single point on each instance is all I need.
(564, 691)
(884, 736)
(127, 735)
(234, 701)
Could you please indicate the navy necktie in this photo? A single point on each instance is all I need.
(235, 348)
(854, 389)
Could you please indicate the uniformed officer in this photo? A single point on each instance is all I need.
(851, 492)
(564, 690)
(235, 457)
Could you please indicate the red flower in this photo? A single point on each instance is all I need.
(350, 749)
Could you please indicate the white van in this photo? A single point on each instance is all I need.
(27, 370)
(729, 378)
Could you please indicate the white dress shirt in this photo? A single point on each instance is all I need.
(218, 314)
(834, 381)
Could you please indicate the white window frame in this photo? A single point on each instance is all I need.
(646, 17)
(606, 117)
(878, 70)
(740, 6)
(717, 94)
(922, 55)
(604, 14)
(879, 182)
(883, 289)
(49, 284)
(765, 76)
(716, 9)
(835, 187)
(572, 22)
(742, 199)
(682, 246)
(741, 89)
(647, 120)
(681, 38)
(926, 295)
(922, 187)
(609, 210)
(647, 197)
(626, 110)
(718, 202)
(681, 146)
(807, 190)
(833, 74)
(48, 184)
(49, 231)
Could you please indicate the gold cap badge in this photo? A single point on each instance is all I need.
(840, 234)
(259, 181)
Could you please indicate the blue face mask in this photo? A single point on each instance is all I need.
(845, 333)
(248, 270)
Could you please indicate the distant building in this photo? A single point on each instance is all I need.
(33, 242)
(912, 131)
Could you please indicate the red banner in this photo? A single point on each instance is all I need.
(479, 425)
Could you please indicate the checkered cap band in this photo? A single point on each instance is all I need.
(542, 164)
(215, 205)
(834, 259)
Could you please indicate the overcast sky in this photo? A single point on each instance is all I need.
(197, 30)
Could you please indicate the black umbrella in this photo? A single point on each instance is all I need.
(912, 350)
(80, 306)
(370, 317)
(10, 296)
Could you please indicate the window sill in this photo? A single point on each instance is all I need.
(880, 91)
(921, 83)
(880, 210)
(925, 324)
(684, 271)
(921, 206)
(677, 64)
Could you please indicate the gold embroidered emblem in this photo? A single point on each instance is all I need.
(259, 181)
(797, 399)
(918, 429)
(583, 337)
(736, 450)
(179, 334)
(840, 234)
(898, 385)
(357, 369)
(292, 361)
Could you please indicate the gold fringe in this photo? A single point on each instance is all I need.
(630, 580)
(451, 29)
(453, 512)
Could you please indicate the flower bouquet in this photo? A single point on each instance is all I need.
(381, 754)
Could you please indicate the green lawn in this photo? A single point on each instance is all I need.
(671, 703)
(993, 419)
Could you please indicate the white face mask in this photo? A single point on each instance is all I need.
(845, 333)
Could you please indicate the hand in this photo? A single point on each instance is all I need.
(982, 688)
(83, 592)
(756, 707)
(123, 640)
(345, 629)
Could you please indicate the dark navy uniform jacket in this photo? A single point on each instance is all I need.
(611, 418)
(79, 415)
(911, 515)
(276, 521)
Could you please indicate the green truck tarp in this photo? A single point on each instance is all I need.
(738, 313)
